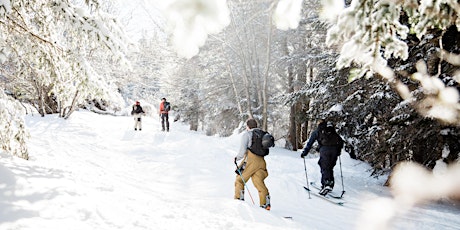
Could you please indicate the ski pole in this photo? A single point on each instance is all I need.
(341, 175)
(306, 177)
(241, 175)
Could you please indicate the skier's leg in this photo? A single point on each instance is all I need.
(258, 181)
(327, 163)
(239, 188)
(162, 122)
(247, 173)
(167, 121)
(333, 162)
(322, 166)
(135, 122)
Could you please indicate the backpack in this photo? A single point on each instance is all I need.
(167, 106)
(261, 142)
(327, 136)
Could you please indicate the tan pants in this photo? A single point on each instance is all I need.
(256, 169)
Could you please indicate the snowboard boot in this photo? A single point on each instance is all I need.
(267, 205)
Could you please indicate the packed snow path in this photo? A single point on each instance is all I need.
(95, 172)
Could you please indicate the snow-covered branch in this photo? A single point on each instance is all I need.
(371, 32)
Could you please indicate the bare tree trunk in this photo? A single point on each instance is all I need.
(292, 137)
(194, 125)
(298, 129)
(40, 99)
(41, 104)
(237, 96)
(292, 129)
(304, 132)
(248, 96)
(72, 106)
(267, 70)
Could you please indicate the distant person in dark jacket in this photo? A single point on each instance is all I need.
(330, 146)
(137, 112)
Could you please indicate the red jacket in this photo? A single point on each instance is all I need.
(162, 108)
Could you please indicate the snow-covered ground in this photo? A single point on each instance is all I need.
(95, 172)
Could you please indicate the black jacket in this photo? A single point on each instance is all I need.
(137, 109)
(314, 137)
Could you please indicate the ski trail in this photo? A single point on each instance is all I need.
(85, 173)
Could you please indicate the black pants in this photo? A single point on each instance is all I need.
(164, 121)
(327, 161)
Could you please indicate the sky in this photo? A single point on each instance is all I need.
(190, 22)
(141, 18)
(95, 172)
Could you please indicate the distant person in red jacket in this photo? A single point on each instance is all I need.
(164, 110)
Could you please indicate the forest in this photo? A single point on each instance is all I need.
(385, 72)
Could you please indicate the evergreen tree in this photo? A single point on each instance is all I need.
(45, 59)
(411, 112)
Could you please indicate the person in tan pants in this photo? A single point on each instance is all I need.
(255, 168)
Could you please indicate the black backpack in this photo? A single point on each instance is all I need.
(167, 106)
(261, 142)
(327, 136)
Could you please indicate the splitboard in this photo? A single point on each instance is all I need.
(326, 198)
(331, 194)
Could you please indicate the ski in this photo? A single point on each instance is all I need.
(324, 197)
(331, 194)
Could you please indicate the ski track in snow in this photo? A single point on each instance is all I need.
(95, 172)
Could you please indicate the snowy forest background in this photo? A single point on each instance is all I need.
(385, 71)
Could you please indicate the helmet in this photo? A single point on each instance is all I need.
(138, 103)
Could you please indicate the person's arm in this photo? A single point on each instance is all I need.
(161, 107)
(133, 111)
(340, 146)
(245, 141)
(311, 140)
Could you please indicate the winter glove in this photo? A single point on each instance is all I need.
(304, 153)
(240, 169)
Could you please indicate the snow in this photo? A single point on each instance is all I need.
(191, 22)
(95, 172)
(331, 9)
(5, 7)
(336, 108)
(287, 14)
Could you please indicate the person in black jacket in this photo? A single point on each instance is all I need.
(329, 151)
(137, 112)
